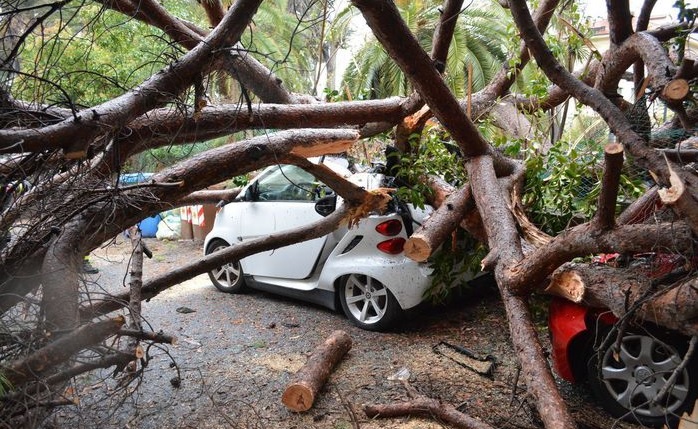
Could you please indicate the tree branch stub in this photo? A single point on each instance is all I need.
(442, 222)
(605, 215)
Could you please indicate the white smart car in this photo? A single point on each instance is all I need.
(362, 269)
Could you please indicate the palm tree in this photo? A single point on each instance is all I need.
(478, 41)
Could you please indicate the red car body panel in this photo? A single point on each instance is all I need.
(566, 321)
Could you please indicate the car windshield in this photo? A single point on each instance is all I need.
(287, 182)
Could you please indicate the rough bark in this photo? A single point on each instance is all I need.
(58, 351)
(640, 46)
(623, 289)
(619, 20)
(606, 214)
(156, 129)
(504, 243)
(530, 273)
(423, 406)
(300, 394)
(435, 230)
(471, 221)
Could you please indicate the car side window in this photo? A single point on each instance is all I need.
(287, 183)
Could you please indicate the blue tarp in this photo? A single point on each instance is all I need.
(133, 178)
(149, 225)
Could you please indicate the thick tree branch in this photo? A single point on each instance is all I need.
(166, 126)
(157, 90)
(59, 351)
(444, 30)
(606, 213)
(385, 22)
(586, 240)
(153, 287)
(623, 289)
(640, 46)
(619, 20)
(504, 243)
(442, 222)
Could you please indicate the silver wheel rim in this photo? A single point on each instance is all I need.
(228, 274)
(366, 298)
(637, 372)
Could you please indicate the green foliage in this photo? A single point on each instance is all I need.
(437, 156)
(477, 41)
(287, 33)
(5, 385)
(432, 157)
(451, 263)
(563, 183)
(91, 55)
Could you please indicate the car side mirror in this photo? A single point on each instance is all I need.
(325, 206)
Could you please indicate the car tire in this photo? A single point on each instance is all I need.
(368, 303)
(228, 278)
(625, 385)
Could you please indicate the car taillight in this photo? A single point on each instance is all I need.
(393, 246)
(389, 228)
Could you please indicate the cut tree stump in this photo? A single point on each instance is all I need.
(300, 394)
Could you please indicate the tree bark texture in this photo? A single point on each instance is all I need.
(622, 289)
(385, 22)
(606, 213)
(442, 222)
(426, 407)
(300, 394)
(619, 20)
(157, 128)
(60, 350)
(504, 243)
(583, 240)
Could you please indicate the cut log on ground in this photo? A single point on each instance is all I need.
(300, 394)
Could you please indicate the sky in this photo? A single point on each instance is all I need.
(597, 8)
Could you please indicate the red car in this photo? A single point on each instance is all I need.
(626, 381)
